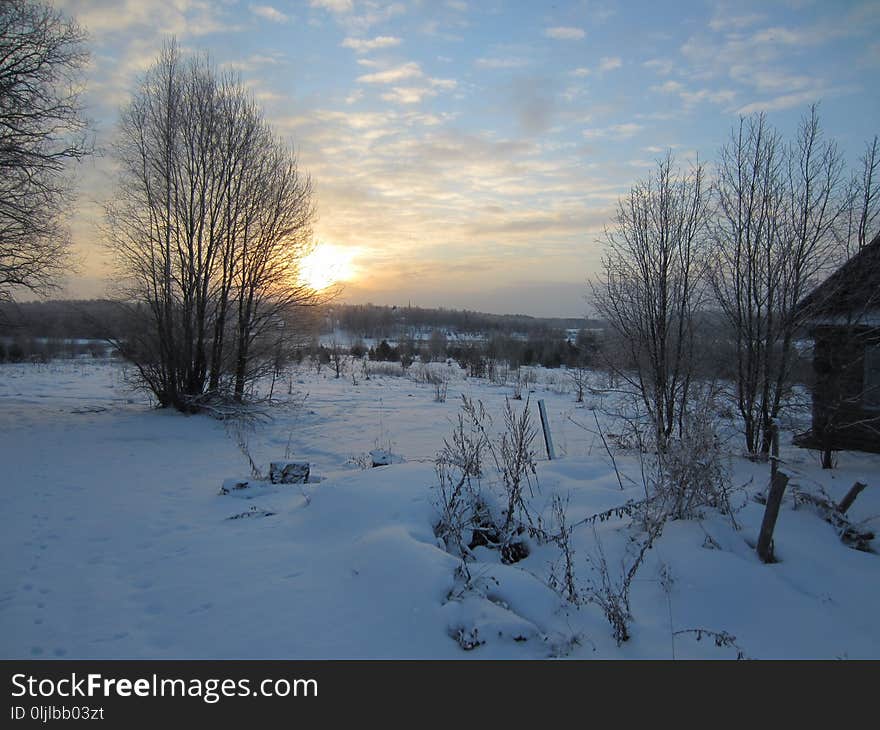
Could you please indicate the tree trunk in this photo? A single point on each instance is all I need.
(850, 497)
(771, 513)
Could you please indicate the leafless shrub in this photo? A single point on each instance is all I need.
(515, 461)
(337, 359)
(468, 639)
(580, 379)
(518, 385)
(460, 462)
(691, 474)
(224, 407)
(361, 461)
(721, 639)
(239, 431)
(611, 591)
(420, 374)
(498, 373)
(459, 466)
(562, 574)
(440, 384)
(686, 473)
(386, 369)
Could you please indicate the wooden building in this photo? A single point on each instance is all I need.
(843, 316)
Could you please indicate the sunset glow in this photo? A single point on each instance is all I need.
(327, 265)
(473, 153)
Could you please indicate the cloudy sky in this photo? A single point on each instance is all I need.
(468, 154)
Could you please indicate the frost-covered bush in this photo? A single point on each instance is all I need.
(610, 589)
(685, 473)
(458, 495)
(441, 386)
(689, 471)
(386, 369)
(490, 512)
(692, 472)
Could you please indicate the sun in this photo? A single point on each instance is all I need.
(325, 266)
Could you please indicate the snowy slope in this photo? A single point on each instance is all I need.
(117, 544)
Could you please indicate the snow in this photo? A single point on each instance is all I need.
(118, 543)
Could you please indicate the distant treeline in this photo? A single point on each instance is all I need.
(96, 318)
(42, 330)
(372, 321)
(550, 350)
(88, 319)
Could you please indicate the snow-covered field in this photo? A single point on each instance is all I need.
(116, 543)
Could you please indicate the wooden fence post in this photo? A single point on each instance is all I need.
(850, 497)
(545, 425)
(778, 483)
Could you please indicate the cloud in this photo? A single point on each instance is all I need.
(606, 63)
(409, 70)
(496, 63)
(419, 88)
(669, 87)
(416, 94)
(357, 19)
(362, 45)
(661, 66)
(715, 96)
(784, 63)
(750, 54)
(615, 131)
(252, 63)
(785, 101)
(726, 22)
(691, 98)
(769, 80)
(333, 6)
(564, 33)
(154, 17)
(447, 84)
(421, 197)
(267, 12)
(408, 94)
(796, 99)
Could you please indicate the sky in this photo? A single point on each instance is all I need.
(469, 154)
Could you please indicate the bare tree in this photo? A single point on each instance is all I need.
(270, 249)
(652, 288)
(864, 210)
(775, 229)
(210, 223)
(42, 129)
(337, 358)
